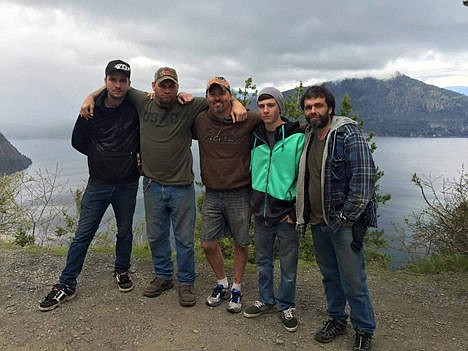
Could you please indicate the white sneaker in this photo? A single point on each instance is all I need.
(219, 294)
(235, 304)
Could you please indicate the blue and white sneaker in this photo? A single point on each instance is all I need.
(235, 304)
(219, 294)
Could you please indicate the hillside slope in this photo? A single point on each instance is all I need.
(11, 160)
(403, 106)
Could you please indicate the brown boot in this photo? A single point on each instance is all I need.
(187, 297)
(157, 286)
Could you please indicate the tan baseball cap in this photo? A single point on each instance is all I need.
(164, 73)
(221, 81)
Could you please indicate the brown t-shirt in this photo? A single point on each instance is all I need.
(224, 150)
(314, 163)
(166, 138)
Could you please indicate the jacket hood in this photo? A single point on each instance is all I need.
(288, 128)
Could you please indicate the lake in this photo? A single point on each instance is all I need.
(399, 158)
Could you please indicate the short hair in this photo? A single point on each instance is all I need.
(317, 91)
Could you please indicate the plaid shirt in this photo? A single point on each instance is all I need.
(348, 177)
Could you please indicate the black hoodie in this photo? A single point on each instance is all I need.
(111, 140)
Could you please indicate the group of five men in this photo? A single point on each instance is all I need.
(286, 175)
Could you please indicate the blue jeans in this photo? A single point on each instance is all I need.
(288, 245)
(167, 205)
(96, 199)
(344, 277)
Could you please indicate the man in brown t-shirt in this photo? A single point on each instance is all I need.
(224, 149)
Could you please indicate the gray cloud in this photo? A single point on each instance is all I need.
(54, 52)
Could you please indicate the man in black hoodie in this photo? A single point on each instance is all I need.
(111, 142)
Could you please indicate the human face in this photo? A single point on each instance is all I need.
(269, 113)
(117, 85)
(165, 92)
(317, 112)
(219, 100)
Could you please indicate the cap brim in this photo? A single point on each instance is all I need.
(162, 79)
(220, 85)
(126, 73)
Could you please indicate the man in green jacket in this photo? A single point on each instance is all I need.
(277, 147)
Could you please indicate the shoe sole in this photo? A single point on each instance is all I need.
(126, 289)
(188, 304)
(326, 341)
(234, 310)
(158, 293)
(291, 330)
(220, 302)
(53, 307)
(255, 315)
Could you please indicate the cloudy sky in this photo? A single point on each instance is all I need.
(54, 52)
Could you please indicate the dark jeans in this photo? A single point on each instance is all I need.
(344, 276)
(95, 201)
(288, 245)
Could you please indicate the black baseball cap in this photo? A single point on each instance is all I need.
(119, 66)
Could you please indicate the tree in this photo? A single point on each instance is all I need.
(248, 94)
(13, 222)
(441, 227)
(292, 104)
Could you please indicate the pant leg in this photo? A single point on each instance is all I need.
(157, 215)
(94, 203)
(326, 259)
(288, 255)
(353, 278)
(264, 241)
(183, 212)
(123, 202)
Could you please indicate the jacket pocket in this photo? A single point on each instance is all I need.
(338, 168)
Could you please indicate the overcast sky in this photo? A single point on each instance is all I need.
(54, 52)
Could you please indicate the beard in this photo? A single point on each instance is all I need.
(318, 121)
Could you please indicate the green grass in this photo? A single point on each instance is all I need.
(435, 264)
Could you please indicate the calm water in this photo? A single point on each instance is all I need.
(399, 158)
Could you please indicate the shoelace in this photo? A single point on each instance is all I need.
(235, 296)
(361, 340)
(259, 304)
(217, 291)
(122, 277)
(330, 327)
(289, 313)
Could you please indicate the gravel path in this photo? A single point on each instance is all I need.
(413, 312)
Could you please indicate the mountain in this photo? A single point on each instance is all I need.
(10, 159)
(403, 106)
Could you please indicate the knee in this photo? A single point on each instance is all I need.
(238, 249)
(210, 247)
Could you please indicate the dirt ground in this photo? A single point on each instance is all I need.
(413, 312)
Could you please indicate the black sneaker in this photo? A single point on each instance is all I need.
(59, 293)
(329, 331)
(362, 341)
(257, 309)
(123, 280)
(289, 319)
